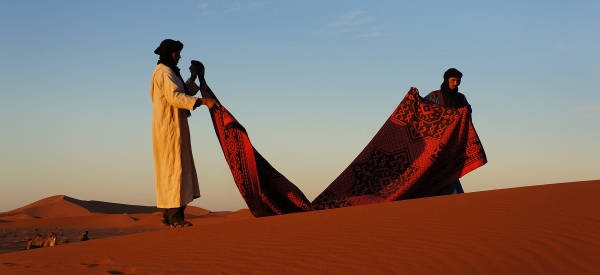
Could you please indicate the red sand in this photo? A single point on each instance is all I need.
(539, 229)
(69, 217)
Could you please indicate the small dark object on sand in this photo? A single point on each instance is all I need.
(84, 236)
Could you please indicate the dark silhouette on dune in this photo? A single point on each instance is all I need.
(64, 206)
(111, 207)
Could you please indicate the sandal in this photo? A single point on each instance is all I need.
(181, 224)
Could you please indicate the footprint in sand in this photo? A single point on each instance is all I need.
(89, 265)
(110, 263)
(126, 270)
(107, 261)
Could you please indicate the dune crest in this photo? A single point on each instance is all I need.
(60, 206)
(51, 207)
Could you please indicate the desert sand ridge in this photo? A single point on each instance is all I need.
(112, 208)
(65, 206)
(549, 229)
(51, 207)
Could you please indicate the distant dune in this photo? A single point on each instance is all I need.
(64, 206)
(538, 229)
(52, 207)
(69, 217)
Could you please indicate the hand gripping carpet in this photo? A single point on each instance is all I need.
(419, 150)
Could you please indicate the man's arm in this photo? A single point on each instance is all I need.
(206, 91)
(208, 99)
(191, 82)
(466, 103)
(433, 97)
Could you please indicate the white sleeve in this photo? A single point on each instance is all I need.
(192, 87)
(175, 94)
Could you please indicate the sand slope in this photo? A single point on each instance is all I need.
(540, 229)
(69, 217)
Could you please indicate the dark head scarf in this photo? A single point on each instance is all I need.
(165, 51)
(451, 98)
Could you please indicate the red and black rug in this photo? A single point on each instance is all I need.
(419, 150)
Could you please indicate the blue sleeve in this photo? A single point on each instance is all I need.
(467, 104)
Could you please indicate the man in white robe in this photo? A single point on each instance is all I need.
(172, 99)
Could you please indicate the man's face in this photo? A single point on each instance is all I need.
(176, 56)
(453, 82)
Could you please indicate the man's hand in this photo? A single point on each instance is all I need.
(193, 72)
(209, 102)
(198, 67)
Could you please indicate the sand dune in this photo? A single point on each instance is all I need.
(52, 207)
(64, 206)
(69, 217)
(540, 229)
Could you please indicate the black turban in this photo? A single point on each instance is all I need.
(452, 73)
(168, 46)
(451, 98)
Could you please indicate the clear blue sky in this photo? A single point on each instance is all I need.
(312, 81)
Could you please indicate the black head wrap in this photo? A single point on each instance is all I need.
(167, 47)
(165, 50)
(452, 72)
(451, 98)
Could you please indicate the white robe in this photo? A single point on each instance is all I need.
(175, 173)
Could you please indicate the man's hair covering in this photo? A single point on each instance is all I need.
(452, 72)
(168, 46)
